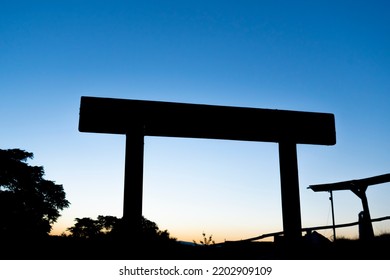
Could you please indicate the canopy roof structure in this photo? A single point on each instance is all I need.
(359, 188)
(353, 185)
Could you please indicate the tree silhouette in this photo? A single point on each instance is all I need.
(29, 204)
(85, 228)
(110, 226)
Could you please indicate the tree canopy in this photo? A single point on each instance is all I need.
(29, 204)
(110, 226)
(87, 228)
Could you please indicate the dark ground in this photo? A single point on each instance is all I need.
(65, 248)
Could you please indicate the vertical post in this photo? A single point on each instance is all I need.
(333, 221)
(366, 226)
(290, 192)
(368, 230)
(134, 161)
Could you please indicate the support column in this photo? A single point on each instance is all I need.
(134, 163)
(366, 228)
(291, 210)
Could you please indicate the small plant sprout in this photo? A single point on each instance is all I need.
(207, 241)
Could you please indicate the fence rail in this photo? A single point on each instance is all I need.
(309, 229)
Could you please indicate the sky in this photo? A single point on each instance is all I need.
(316, 56)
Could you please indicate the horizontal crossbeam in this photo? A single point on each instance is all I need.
(351, 184)
(117, 116)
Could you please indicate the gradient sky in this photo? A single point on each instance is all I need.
(319, 56)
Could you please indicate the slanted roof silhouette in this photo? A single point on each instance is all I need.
(353, 185)
(358, 187)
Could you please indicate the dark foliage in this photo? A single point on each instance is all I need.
(109, 228)
(29, 204)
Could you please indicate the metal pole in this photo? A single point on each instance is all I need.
(334, 224)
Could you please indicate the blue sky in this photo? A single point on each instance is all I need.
(320, 56)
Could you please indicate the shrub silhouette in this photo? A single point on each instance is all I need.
(206, 241)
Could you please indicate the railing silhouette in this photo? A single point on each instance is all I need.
(307, 230)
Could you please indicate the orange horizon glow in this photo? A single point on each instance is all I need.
(236, 235)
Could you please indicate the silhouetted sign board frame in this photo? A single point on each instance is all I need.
(118, 116)
(139, 118)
